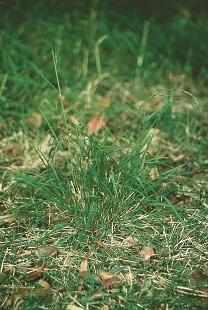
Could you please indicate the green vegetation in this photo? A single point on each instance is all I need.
(103, 161)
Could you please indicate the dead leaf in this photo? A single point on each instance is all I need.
(97, 296)
(179, 157)
(108, 279)
(147, 253)
(105, 101)
(8, 303)
(36, 292)
(130, 241)
(13, 300)
(3, 208)
(46, 250)
(154, 173)
(39, 292)
(38, 273)
(26, 292)
(7, 218)
(130, 276)
(9, 269)
(44, 284)
(96, 124)
(83, 269)
(26, 253)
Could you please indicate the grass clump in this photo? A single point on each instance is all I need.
(103, 167)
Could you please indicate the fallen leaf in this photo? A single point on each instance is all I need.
(179, 157)
(146, 253)
(36, 292)
(38, 273)
(105, 101)
(130, 241)
(8, 303)
(15, 298)
(44, 284)
(108, 279)
(9, 269)
(39, 292)
(97, 296)
(46, 250)
(154, 173)
(96, 124)
(83, 269)
(26, 292)
(19, 295)
(3, 208)
(129, 276)
(7, 218)
(26, 253)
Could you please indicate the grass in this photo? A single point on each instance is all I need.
(115, 218)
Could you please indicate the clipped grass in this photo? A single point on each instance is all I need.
(106, 200)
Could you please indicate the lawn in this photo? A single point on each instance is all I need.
(103, 159)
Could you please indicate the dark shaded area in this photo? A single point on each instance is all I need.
(177, 33)
(159, 10)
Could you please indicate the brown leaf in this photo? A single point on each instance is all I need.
(105, 101)
(154, 173)
(36, 292)
(83, 268)
(179, 157)
(39, 292)
(46, 250)
(108, 279)
(44, 284)
(7, 218)
(26, 253)
(26, 292)
(97, 296)
(96, 124)
(130, 276)
(146, 253)
(130, 241)
(13, 300)
(38, 273)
